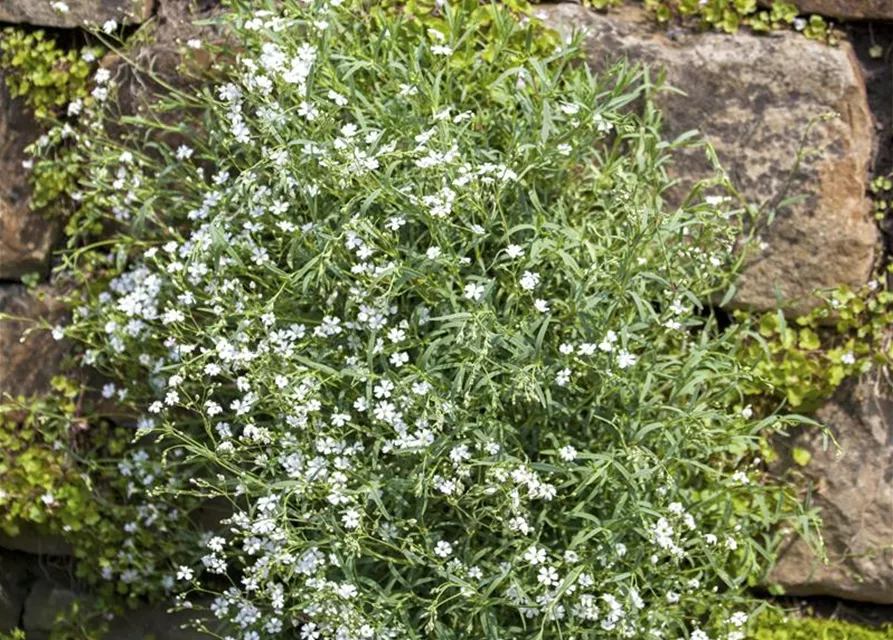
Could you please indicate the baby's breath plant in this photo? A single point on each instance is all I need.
(413, 301)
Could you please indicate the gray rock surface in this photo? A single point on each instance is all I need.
(855, 494)
(74, 13)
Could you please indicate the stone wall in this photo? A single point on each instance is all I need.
(751, 95)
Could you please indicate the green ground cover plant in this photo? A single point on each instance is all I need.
(804, 360)
(776, 626)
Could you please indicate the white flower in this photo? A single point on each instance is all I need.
(441, 50)
(564, 149)
(529, 280)
(739, 619)
(194, 43)
(848, 358)
(184, 573)
(601, 125)
(535, 556)
(399, 359)
(541, 305)
(58, 333)
(514, 251)
(337, 98)
(351, 519)
(109, 26)
(60, 7)
(443, 549)
(607, 344)
(625, 359)
(308, 111)
(567, 453)
(474, 291)
(433, 253)
(547, 576)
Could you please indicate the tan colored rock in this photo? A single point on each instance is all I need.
(855, 494)
(26, 238)
(28, 362)
(753, 97)
(847, 9)
(74, 13)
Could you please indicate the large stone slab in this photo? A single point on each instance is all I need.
(26, 238)
(27, 363)
(753, 97)
(848, 9)
(74, 13)
(855, 494)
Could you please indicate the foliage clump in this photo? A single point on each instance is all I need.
(58, 84)
(803, 361)
(731, 15)
(67, 474)
(775, 626)
(47, 76)
(408, 297)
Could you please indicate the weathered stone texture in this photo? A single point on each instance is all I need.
(855, 494)
(848, 9)
(79, 12)
(26, 238)
(753, 97)
(28, 362)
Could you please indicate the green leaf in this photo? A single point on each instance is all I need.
(801, 456)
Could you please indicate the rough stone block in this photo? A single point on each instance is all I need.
(74, 13)
(753, 97)
(855, 494)
(26, 238)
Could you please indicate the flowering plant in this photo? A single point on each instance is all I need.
(418, 309)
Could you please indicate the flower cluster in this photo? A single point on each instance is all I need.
(431, 330)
